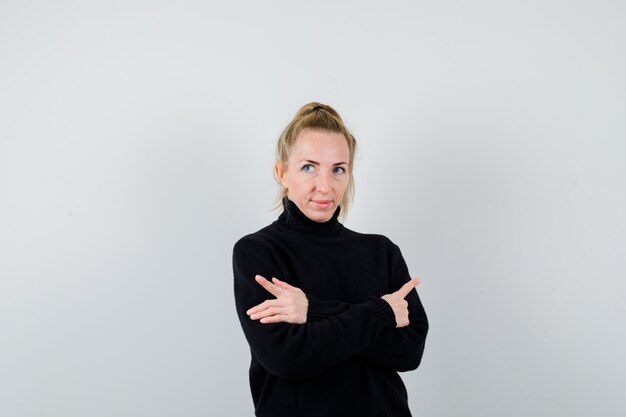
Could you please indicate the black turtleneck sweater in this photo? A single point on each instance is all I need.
(344, 360)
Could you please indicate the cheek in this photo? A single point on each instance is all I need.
(345, 184)
(341, 186)
(299, 183)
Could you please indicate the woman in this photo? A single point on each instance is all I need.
(330, 314)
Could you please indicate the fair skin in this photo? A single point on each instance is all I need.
(316, 173)
(316, 177)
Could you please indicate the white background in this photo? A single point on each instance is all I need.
(136, 146)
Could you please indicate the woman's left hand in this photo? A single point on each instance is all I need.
(290, 305)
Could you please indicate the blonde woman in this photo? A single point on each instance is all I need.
(331, 315)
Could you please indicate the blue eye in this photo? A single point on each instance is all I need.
(307, 168)
(339, 170)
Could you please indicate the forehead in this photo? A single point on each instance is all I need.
(320, 146)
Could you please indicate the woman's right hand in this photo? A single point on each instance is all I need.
(289, 306)
(399, 305)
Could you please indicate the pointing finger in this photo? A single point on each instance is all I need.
(269, 287)
(408, 287)
(281, 283)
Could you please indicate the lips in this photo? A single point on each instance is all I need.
(322, 204)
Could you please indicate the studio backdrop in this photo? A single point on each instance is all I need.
(137, 146)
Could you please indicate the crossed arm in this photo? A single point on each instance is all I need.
(297, 335)
(291, 304)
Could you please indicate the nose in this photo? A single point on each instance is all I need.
(322, 182)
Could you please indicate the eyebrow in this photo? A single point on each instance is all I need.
(317, 163)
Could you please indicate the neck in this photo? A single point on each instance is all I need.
(294, 219)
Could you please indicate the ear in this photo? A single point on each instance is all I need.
(279, 173)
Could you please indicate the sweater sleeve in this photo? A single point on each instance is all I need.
(395, 349)
(400, 349)
(298, 351)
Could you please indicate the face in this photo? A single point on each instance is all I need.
(316, 174)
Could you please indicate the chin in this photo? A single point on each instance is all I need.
(320, 216)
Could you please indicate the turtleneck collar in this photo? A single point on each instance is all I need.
(294, 219)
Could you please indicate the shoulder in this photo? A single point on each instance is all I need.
(260, 240)
(372, 239)
(257, 238)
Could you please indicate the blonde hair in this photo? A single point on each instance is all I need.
(317, 116)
